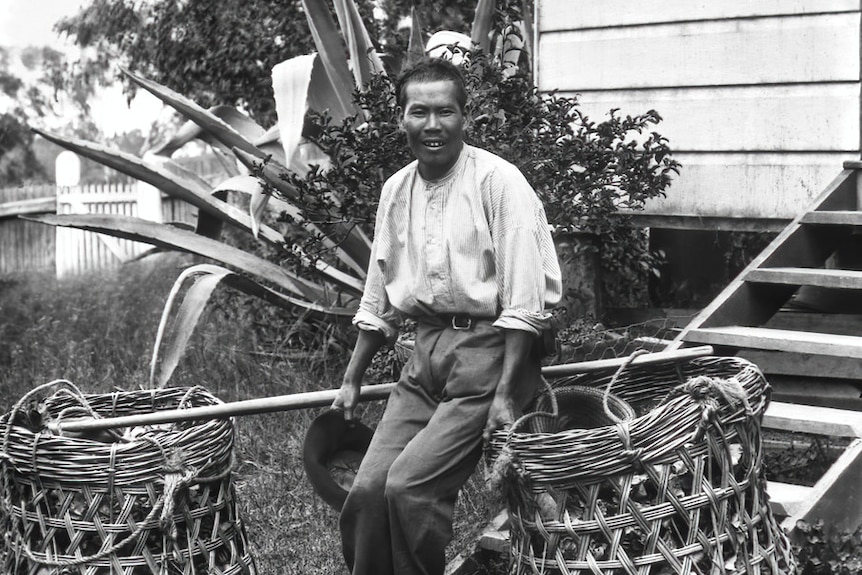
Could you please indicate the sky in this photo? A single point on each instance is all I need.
(30, 23)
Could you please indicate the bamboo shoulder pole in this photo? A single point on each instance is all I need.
(326, 397)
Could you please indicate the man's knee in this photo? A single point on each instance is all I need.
(402, 489)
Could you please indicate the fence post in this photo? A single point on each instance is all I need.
(149, 202)
(68, 241)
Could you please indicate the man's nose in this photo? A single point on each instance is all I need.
(433, 122)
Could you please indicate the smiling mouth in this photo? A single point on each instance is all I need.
(433, 144)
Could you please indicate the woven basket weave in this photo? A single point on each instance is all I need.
(680, 489)
(158, 500)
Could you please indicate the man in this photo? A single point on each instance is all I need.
(462, 246)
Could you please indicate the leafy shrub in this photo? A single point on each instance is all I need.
(584, 171)
(828, 553)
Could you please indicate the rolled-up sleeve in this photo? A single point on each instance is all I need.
(376, 312)
(528, 273)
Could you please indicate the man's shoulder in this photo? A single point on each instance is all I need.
(401, 176)
(490, 164)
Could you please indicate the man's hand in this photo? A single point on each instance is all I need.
(347, 398)
(367, 345)
(501, 415)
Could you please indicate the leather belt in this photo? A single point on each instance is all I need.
(461, 321)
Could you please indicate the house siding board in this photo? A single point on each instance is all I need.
(760, 100)
(756, 118)
(820, 48)
(744, 185)
(570, 14)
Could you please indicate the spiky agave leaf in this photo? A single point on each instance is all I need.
(166, 236)
(365, 62)
(190, 131)
(252, 186)
(169, 177)
(291, 83)
(331, 51)
(480, 33)
(416, 45)
(220, 130)
(202, 280)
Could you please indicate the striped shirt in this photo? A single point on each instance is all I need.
(477, 241)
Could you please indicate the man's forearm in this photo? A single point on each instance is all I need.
(518, 346)
(367, 344)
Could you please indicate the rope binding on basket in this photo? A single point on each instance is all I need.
(178, 474)
(711, 393)
(506, 466)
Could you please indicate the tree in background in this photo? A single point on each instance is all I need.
(18, 162)
(223, 53)
(214, 53)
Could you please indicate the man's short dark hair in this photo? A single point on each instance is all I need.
(432, 70)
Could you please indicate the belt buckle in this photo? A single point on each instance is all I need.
(462, 322)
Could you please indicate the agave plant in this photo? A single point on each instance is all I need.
(256, 161)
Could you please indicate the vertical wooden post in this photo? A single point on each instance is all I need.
(68, 177)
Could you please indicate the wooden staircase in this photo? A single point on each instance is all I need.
(805, 269)
(788, 310)
(813, 268)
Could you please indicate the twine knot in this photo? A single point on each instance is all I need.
(710, 390)
(177, 477)
(504, 467)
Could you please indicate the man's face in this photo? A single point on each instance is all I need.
(434, 123)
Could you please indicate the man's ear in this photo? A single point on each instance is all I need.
(467, 114)
(400, 115)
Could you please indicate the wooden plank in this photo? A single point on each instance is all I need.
(811, 419)
(737, 299)
(24, 207)
(570, 14)
(811, 117)
(778, 340)
(806, 365)
(827, 278)
(746, 185)
(495, 537)
(820, 48)
(836, 498)
(834, 218)
(785, 498)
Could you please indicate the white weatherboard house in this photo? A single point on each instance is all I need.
(760, 98)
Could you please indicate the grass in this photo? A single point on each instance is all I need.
(98, 331)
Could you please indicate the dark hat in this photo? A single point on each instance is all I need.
(331, 454)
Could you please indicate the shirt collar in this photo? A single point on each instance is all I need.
(459, 163)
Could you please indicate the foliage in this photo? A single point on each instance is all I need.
(584, 171)
(214, 54)
(97, 330)
(18, 163)
(825, 552)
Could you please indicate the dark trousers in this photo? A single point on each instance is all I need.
(398, 516)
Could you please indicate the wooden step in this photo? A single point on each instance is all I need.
(827, 278)
(836, 498)
(833, 218)
(739, 337)
(786, 499)
(811, 419)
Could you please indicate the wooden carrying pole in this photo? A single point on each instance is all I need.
(326, 397)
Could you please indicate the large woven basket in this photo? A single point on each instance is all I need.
(155, 500)
(679, 489)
